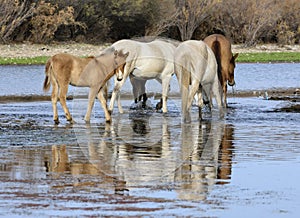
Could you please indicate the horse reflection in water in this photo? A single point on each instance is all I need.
(192, 158)
(210, 162)
(93, 159)
(143, 154)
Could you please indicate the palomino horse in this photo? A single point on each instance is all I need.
(196, 68)
(225, 59)
(151, 60)
(64, 69)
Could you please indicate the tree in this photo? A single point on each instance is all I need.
(249, 20)
(48, 19)
(13, 13)
(190, 14)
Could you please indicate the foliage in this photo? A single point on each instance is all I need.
(13, 13)
(47, 20)
(191, 13)
(97, 21)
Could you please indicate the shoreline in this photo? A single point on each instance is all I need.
(292, 94)
(27, 50)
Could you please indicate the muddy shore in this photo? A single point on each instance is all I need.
(34, 50)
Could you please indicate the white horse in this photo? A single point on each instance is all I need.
(196, 69)
(151, 60)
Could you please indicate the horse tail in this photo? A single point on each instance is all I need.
(216, 48)
(48, 69)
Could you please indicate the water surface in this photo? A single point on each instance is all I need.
(149, 164)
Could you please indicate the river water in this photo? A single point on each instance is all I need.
(146, 163)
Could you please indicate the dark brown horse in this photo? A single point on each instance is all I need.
(221, 47)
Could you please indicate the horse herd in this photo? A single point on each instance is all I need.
(201, 67)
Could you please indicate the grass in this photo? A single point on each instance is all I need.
(40, 60)
(266, 57)
(260, 57)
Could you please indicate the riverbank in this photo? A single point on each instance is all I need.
(38, 54)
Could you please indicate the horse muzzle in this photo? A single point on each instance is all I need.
(231, 83)
(119, 79)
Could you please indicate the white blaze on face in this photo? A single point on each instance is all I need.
(119, 74)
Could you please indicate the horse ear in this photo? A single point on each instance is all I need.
(116, 53)
(126, 54)
(235, 56)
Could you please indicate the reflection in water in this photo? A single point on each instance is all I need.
(210, 161)
(195, 156)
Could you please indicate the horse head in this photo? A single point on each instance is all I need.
(231, 67)
(120, 62)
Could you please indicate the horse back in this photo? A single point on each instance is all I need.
(221, 47)
(149, 57)
(68, 68)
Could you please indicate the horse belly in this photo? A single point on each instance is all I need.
(149, 69)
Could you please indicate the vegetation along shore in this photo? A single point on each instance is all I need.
(26, 54)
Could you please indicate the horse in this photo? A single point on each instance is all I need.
(146, 60)
(221, 47)
(196, 71)
(64, 69)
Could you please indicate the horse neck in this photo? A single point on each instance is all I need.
(110, 67)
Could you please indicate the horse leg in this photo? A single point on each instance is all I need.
(62, 98)
(143, 94)
(218, 93)
(115, 93)
(184, 86)
(102, 100)
(193, 90)
(119, 104)
(134, 84)
(54, 99)
(92, 95)
(165, 92)
(200, 102)
(225, 94)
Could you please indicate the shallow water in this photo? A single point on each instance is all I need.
(28, 80)
(149, 164)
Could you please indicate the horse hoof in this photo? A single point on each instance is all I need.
(72, 121)
(56, 122)
(158, 106)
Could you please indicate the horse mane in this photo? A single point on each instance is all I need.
(217, 51)
(106, 51)
(153, 38)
